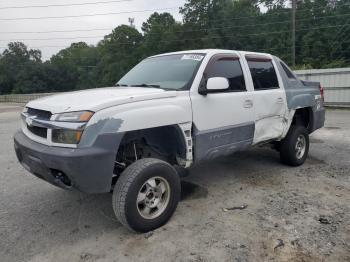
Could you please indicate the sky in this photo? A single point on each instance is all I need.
(12, 28)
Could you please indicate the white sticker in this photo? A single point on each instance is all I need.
(192, 57)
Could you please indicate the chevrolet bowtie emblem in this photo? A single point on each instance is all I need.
(29, 121)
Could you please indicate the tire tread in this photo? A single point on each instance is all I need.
(287, 147)
(123, 184)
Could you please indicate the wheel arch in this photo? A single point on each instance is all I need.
(304, 117)
(168, 141)
(136, 116)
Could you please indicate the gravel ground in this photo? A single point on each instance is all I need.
(292, 214)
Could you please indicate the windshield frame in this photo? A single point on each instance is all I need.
(186, 86)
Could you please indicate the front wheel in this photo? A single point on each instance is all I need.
(294, 147)
(146, 194)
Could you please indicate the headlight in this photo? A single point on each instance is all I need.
(70, 135)
(80, 116)
(66, 136)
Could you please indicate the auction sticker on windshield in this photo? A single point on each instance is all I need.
(192, 57)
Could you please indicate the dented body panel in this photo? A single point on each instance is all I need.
(299, 93)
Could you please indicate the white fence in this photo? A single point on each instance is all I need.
(336, 83)
(22, 98)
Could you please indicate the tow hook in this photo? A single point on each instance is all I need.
(62, 179)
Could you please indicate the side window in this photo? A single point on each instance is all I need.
(263, 74)
(287, 71)
(230, 68)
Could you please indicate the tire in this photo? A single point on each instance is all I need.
(142, 182)
(297, 136)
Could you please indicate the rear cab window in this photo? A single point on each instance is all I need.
(263, 73)
(288, 72)
(229, 67)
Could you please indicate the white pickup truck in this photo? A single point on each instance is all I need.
(169, 112)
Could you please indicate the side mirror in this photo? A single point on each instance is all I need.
(215, 84)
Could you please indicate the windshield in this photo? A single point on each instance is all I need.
(168, 72)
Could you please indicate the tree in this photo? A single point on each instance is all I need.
(322, 40)
(16, 61)
(161, 34)
(118, 51)
(75, 67)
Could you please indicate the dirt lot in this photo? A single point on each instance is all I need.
(293, 214)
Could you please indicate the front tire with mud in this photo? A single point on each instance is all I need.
(294, 147)
(146, 194)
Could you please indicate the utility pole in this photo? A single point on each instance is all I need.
(131, 21)
(294, 7)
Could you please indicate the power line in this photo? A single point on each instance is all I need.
(267, 50)
(53, 38)
(237, 35)
(61, 5)
(183, 31)
(202, 29)
(337, 49)
(272, 23)
(214, 37)
(172, 32)
(338, 34)
(110, 28)
(45, 46)
(273, 13)
(58, 31)
(169, 8)
(88, 15)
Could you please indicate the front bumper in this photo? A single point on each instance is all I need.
(88, 169)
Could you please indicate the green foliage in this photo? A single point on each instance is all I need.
(17, 64)
(118, 52)
(161, 34)
(322, 41)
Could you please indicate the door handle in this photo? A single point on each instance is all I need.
(248, 103)
(280, 100)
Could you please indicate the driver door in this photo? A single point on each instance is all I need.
(224, 119)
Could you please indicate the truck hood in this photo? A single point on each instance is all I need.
(97, 99)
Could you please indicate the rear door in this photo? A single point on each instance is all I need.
(224, 120)
(269, 98)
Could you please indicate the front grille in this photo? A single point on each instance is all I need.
(39, 131)
(40, 114)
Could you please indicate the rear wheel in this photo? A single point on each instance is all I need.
(294, 147)
(146, 194)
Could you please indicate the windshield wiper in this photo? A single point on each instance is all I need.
(146, 85)
(117, 84)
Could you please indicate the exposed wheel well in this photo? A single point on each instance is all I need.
(303, 117)
(166, 143)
